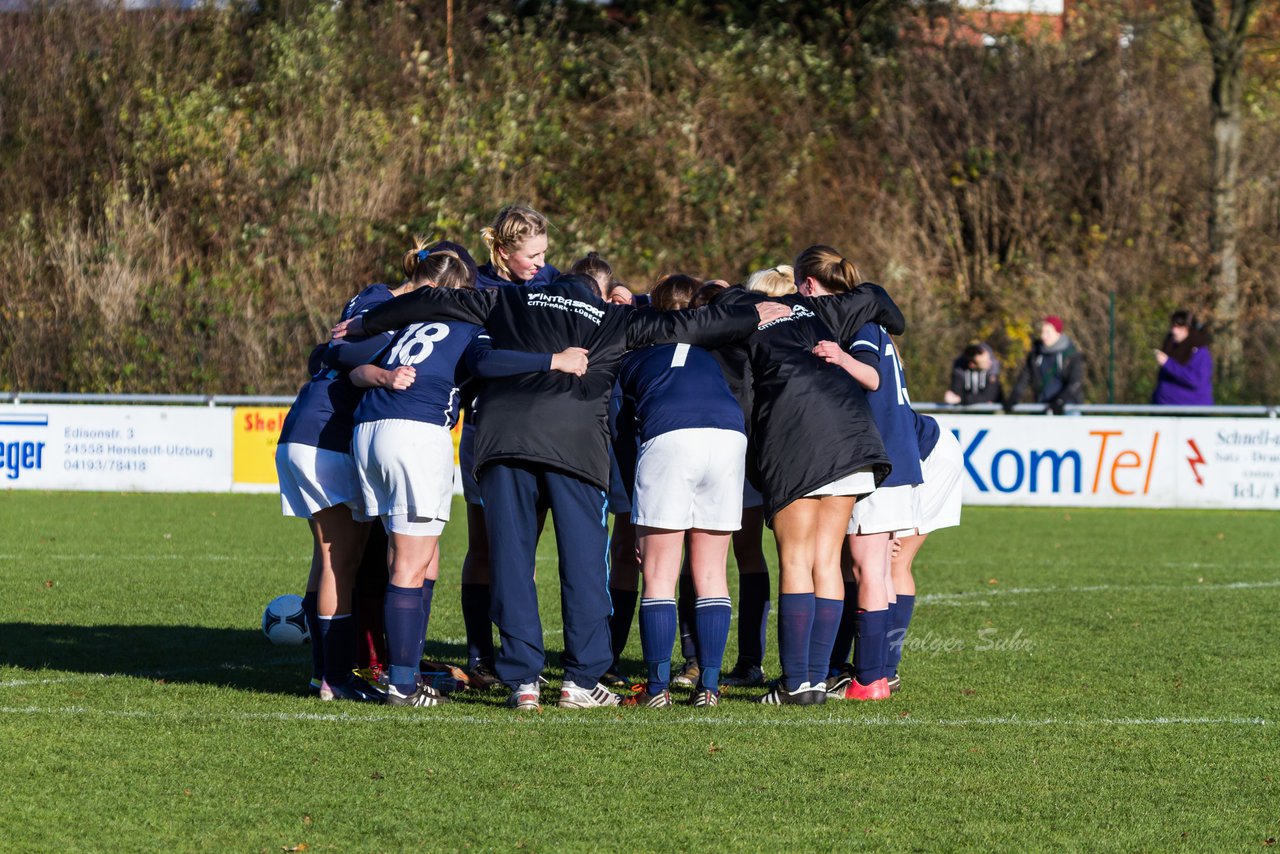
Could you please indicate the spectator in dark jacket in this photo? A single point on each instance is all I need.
(1054, 370)
(1186, 366)
(975, 377)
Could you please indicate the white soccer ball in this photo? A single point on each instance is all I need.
(284, 622)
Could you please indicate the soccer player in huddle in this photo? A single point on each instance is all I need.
(624, 563)
(748, 551)
(938, 504)
(799, 401)
(404, 456)
(688, 488)
(319, 482)
(873, 360)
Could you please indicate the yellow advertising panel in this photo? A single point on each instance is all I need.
(255, 430)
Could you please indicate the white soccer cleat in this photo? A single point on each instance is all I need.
(526, 698)
(574, 697)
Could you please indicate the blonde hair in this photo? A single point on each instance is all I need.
(513, 225)
(829, 267)
(410, 258)
(774, 282)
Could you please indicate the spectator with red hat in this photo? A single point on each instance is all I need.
(1054, 370)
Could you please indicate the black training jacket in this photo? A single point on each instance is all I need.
(810, 422)
(556, 419)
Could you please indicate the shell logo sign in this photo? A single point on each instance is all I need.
(256, 431)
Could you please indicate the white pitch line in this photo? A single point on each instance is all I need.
(18, 683)
(611, 719)
(994, 592)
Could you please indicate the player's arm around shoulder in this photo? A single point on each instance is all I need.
(867, 303)
(709, 327)
(462, 304)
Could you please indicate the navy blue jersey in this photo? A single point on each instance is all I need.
(677, 387)
(890, 405)
(487, 277)
(434, 350)
(927, 432)
(321, 416)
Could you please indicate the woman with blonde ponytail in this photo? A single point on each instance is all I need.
(516, 241)
(517, 244)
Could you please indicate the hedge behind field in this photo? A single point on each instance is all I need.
(187, 199)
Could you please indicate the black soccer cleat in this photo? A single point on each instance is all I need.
(424, 696)
(805, 695)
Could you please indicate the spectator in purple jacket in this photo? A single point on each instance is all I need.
(1186, 367)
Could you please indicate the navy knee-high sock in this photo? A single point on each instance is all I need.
(844, 635)
(657, 635)
(795, 629)
(313, 629)
(753, 617)
(624, 611)
(900, 622)
(713, 615)
(688, 621)
(338, 637)
(405, 633)
(870, 628)
(826, 621)
(428, 591)
(475, 617)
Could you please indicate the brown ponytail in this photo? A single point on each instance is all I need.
(829, 267)
(598, 269)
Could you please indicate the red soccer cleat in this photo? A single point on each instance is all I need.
(877, 690)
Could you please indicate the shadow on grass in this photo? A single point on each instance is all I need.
(235, 658)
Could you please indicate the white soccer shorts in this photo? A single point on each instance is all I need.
(406, 473)
(938, 498)
(314, 479)
(861, 482)
(691, 479)
(890, 509)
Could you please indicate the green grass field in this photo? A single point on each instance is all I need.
(1076, 679)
